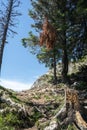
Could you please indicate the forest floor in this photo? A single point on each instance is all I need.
(35, 108)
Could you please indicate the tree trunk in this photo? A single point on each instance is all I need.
(64, 63)
(1, 54)
(5, 31)
(54, 62)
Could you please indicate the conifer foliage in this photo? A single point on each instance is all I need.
(48, 35)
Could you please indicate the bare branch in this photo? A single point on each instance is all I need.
(12, 31)
(7, 19)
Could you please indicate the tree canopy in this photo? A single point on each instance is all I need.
(68, 19)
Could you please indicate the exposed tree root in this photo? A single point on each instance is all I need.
(80, 121)
(70, 113)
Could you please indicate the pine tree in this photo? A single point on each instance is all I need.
(48, 9)
(65, 18)
(48, 37)
(77, 31)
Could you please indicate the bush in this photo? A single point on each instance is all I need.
(81, 86)
(3, 124)
(83, 68)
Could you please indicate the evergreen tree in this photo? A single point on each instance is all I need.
(65, 18)
(82, 16)
(77, 30)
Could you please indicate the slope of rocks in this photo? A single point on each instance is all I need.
(36, 108)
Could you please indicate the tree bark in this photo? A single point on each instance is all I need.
(54, 62)
(1, 54)
(3, 41)
(69, 114)
(64, 63)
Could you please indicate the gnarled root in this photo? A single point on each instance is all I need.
(69, 113)
(80, 121)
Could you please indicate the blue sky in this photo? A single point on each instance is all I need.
(20, 68)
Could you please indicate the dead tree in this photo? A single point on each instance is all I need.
(7, 17)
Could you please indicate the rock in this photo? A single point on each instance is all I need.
(75, 84)
(53, 125)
